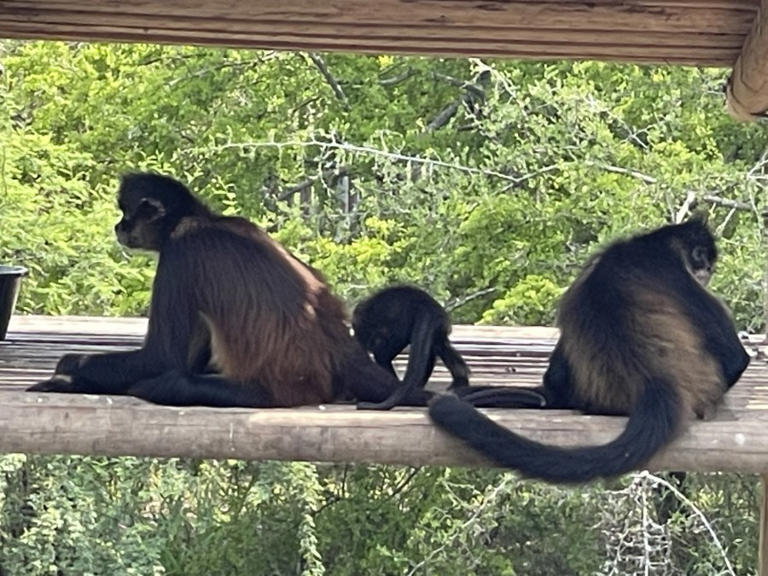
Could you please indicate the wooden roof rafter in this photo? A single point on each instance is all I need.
(696, 32)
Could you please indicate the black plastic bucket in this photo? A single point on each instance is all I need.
(10, 280)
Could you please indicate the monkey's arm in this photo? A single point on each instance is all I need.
(110, 373)
(421, 362)
(172, 320)
(712, 319)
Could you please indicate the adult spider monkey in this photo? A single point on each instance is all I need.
(235, 319)
(640, 335)
(401, 315)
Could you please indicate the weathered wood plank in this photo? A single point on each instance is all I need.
(736, 440)
(684, 31)
(77, 424)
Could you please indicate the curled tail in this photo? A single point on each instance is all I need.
(653, 423)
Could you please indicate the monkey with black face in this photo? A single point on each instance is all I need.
(400, 316)
(235, 319)
(640, 335)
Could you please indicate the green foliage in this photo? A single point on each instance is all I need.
(523, 304)
(487, 182)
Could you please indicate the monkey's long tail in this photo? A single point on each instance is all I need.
(654, 422)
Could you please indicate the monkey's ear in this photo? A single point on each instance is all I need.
(150, 209)
(699, 216)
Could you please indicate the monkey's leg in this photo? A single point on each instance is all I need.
(110, 373)
(174, 388)
(385, 361)
(454, 362)
(421, 362)
(557, 381)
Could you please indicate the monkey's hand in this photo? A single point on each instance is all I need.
(69, 364)
(58, 383)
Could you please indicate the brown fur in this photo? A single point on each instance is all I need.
(317, 337)
(664, 342)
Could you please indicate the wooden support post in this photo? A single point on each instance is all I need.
(747, 91)
(762, 561)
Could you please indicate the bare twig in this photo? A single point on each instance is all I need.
(443, 117)
(403, 485)
(690, 198)
(459, 302)
(304, 184)
(321, 65)
(516, 180)
(530, 175)
(393, 80)
(625, 171)
(733, 204)
(473, 93)
(468, 86)
(222, 66)
(695, 509)
(489, 500)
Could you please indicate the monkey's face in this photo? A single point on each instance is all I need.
(366, 330)
(696, 246)
(142, 224)
(701, 264)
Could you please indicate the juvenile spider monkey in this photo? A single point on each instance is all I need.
(399, 316)
(639, 335)
(235, 319)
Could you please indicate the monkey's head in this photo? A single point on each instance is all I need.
(370, 331)
(152, 205)
(696, 245)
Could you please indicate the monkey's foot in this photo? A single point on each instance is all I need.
(58, 383)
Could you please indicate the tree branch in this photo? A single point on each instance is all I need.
(624, 171)
(320, 63)
(735, 204)
(395, 156)
(459, 302)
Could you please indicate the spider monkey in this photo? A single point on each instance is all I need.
(640, 335)
(235, 319)
(401, 315)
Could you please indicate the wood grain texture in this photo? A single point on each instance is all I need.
(736, 440)
(699, 32)
(747, 93)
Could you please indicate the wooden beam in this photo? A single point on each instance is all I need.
(747, 91)
(762, 556)
(698, 32)
(79, 424)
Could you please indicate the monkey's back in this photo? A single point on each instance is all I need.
(624, 321)
(391, 313)
(272, 321)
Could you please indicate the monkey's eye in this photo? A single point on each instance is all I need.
(145, 211)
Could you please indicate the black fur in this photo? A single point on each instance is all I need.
(605, 309)
(399, 316)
